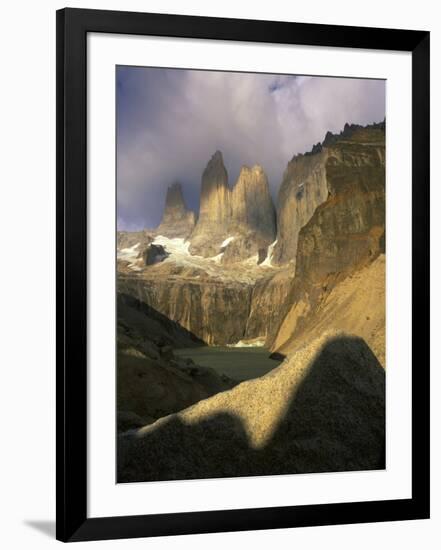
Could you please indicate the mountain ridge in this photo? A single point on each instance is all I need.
(329, 224)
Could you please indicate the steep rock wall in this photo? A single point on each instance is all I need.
(214, 210)
(243, 215)
(304, 187)
(331, 220)
(345, 234)
(268, 296)
(214, 311)
(252, 208)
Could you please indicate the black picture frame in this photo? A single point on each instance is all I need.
(71, 510)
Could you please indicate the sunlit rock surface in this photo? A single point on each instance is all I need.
(345, 235)
(243, 215)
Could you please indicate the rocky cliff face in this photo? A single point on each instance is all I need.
(205, 296)
(252, 208)
(269, 293)
(214, 210)
(306, 181)
(234, 279)
(303, 188)
(253, 218)
(218, 311)
(345, 233)
(177, 220)
(237, 222)
(225, 284)
(215, 311)
(126, 240)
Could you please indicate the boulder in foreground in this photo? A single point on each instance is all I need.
(322, 410)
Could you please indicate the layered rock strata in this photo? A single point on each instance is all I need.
(215, 311)
(268, 295)
(345, 234)
(305, 184)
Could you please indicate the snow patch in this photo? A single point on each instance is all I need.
(217, 258)
(177, 247)
(128, 253)
(269, 255)
(227, 241)
(255, 343)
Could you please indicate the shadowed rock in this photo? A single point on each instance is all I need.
(322, 410)
(177, 221)
(154, 254)
(151, 381)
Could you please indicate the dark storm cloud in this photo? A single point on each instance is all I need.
(170, 122)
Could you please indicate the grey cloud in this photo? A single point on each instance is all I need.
(169, 123)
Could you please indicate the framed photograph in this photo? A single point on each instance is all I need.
(243, 254)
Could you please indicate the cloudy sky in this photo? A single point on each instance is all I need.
(171, 121)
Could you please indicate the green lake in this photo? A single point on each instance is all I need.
(238, 363)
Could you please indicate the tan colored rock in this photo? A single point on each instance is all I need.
(129, 239)
(344, 235)
(214, 210)
(268, 295)
(244, 216)
(356, 304)
(307, 179)
(230, 298)
(252, 206)
(215, 311)
(304, 187)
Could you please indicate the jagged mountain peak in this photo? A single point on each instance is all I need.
(214, 209)
(215, 173)
(216, 162)
(177, 219)
(245, 210)
(174, 196)
(217, 156)
(246, 171)
(251, 175)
